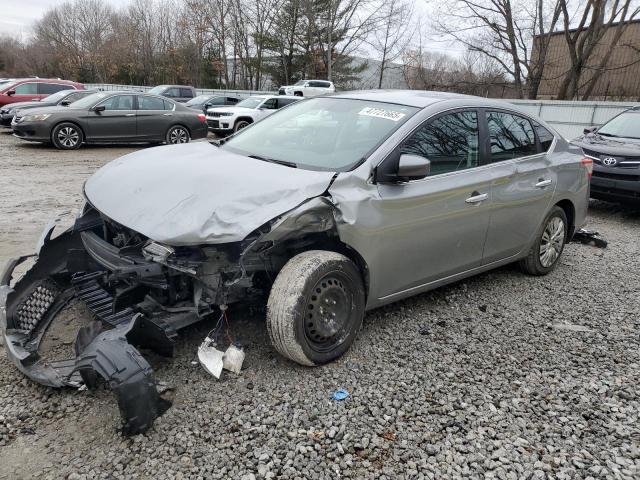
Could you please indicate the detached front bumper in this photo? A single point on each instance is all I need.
(31, 305)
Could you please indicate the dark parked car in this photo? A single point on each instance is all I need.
(178, 93)
(615, 150)
(33, 89)
(63, 98)
(111, 117)
(204, 102)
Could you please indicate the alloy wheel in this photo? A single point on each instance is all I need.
(552, 241)
(178, 135)
(68, 137)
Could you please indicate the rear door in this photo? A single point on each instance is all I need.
(153, 118)
(523, 184)
(116, 122)
(435, 227)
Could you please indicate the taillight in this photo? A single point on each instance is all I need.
(588, 164)
(202, 117)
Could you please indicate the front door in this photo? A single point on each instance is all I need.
(116, 122)
(523, 184)
(433, 228)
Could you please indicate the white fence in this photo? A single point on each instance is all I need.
(569, 118)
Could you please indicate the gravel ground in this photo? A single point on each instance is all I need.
(476, 380)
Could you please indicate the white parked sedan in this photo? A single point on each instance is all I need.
(224, 121)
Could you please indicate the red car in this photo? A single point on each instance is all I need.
(29, 89)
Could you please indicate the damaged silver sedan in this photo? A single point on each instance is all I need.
(330, 207)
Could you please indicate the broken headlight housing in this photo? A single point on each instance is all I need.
(156, 251)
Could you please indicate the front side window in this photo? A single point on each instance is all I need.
(216, 101)
(270, 104)
(27, 89)
(511, 136)
(119, 102)
(150, 103)
(323, 133)
(232, 100)
(172, 92)
(449, 142)
(49, 88)
(285, 101)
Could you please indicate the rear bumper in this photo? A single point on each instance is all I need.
(615, 190)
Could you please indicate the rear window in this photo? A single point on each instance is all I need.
(49, 88)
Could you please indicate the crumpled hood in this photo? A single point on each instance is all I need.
(198, 193)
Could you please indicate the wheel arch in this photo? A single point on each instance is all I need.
(248, 119)
(570, 211)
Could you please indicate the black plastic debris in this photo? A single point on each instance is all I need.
(588, 237)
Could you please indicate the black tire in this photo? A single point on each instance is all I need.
(536, 262)
(67, 136)
(177, 135)
(310, 283)
(240, 124)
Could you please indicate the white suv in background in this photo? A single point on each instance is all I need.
(308, 88)
(227, 120)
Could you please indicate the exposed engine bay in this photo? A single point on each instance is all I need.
(139, 293)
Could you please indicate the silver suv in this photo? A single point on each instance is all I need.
(329, 207)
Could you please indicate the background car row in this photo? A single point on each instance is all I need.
(111, 117)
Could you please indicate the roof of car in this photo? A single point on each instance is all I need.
(412, 98)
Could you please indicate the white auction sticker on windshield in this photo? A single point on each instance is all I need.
(382, 113)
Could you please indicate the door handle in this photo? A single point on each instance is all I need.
(477, 197)
(35, 99)
(167, 114)
(130, 115)
(543, 183)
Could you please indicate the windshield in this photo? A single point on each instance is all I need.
(55, 97)
(90, 100)
(299, 83)
(251, 102)
(6, 84)
(626, 125)
(158, 90)
(198, 100)
(332, 134)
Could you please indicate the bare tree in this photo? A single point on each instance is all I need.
(596, 19)
(393, 33)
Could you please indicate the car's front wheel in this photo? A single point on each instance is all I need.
(67, 136)
(315, 307)
(240, 124)
(545, 252)
(177, 135)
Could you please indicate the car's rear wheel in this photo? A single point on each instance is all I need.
(240, 124)
(177, 135)
(67, 136)
(315, 307)
(552, 237)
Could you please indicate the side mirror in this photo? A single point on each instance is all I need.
(11, 92)
(99, 108)
(589, 130)
(207, 105)
(65, 103)
(413, 167)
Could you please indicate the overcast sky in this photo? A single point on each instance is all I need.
(17, 17)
